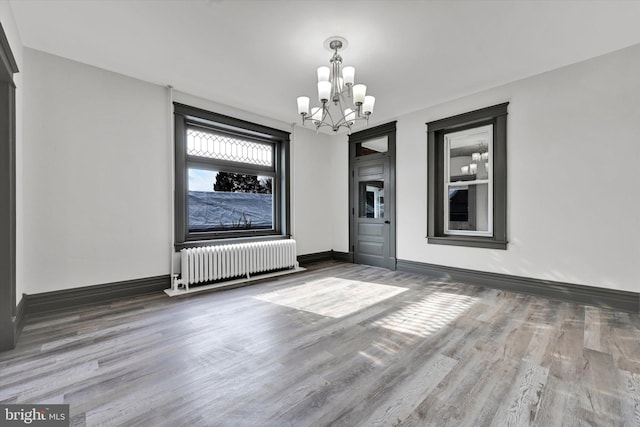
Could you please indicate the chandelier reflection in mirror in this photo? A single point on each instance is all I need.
(336, 86)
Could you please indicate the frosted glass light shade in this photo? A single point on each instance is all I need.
(303, 105)
(475, 157)
(316, 115)
(473, 168)
(349, 116)
(369, 102)
(359, 91)
(323, 74)
(324, 91)
(348, 74)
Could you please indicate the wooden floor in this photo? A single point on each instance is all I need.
(339, 345)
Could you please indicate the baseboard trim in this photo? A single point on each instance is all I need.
(325, 256)
(21, 314)
(96, 294)
(589, 295)
(342, 256)
(315, 257)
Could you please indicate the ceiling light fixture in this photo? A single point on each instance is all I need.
(336, 85)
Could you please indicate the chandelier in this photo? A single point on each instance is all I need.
(336, 86)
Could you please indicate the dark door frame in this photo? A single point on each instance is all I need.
(388, 130)
(8, 323)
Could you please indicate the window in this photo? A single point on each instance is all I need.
(467, 182)
(231, 178)
(467, 179)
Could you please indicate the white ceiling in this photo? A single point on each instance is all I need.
(259, 55)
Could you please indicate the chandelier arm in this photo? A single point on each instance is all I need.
(343, 120)
(332, 122)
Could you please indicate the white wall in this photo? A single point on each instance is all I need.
(311, 187)
(95, 176)
(573, 138)
(339, 171)
(205, 104)
(11, 30)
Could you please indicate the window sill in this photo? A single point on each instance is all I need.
(227, 241)
(472, 242)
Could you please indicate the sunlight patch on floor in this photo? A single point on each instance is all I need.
(427, 315)
(332, 297)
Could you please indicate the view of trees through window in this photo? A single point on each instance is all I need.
(242, 183)
(221, 201)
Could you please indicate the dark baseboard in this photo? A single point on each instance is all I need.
(11, 327)
(325, 256)
(21, 315)
(315, 257)
(342, 256)
(68, 298)
(589, 295)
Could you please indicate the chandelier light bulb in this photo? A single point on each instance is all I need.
(323, 74)
(359, 92)
(349, 116)
(324, 91)
(316, 115)
(369, 102)
(348, 74)
(303, 105)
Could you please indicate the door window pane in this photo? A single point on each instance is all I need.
(371, 199)
(226, 201)
(372, 146)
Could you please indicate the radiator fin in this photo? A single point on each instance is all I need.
(212, 263)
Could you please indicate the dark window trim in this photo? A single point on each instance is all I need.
(436, 130)
(185, 117)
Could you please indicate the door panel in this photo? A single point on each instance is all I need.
(371, 229)
(370, 170)
(372, 232)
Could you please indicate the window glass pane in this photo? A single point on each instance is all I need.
(224, 147)
(372, 146)
(224, 201)
(372, 199)
(469, 154)
(468, 207)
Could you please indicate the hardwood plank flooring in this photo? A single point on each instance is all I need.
(338, 345)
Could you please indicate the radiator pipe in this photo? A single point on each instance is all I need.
(172, 185)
